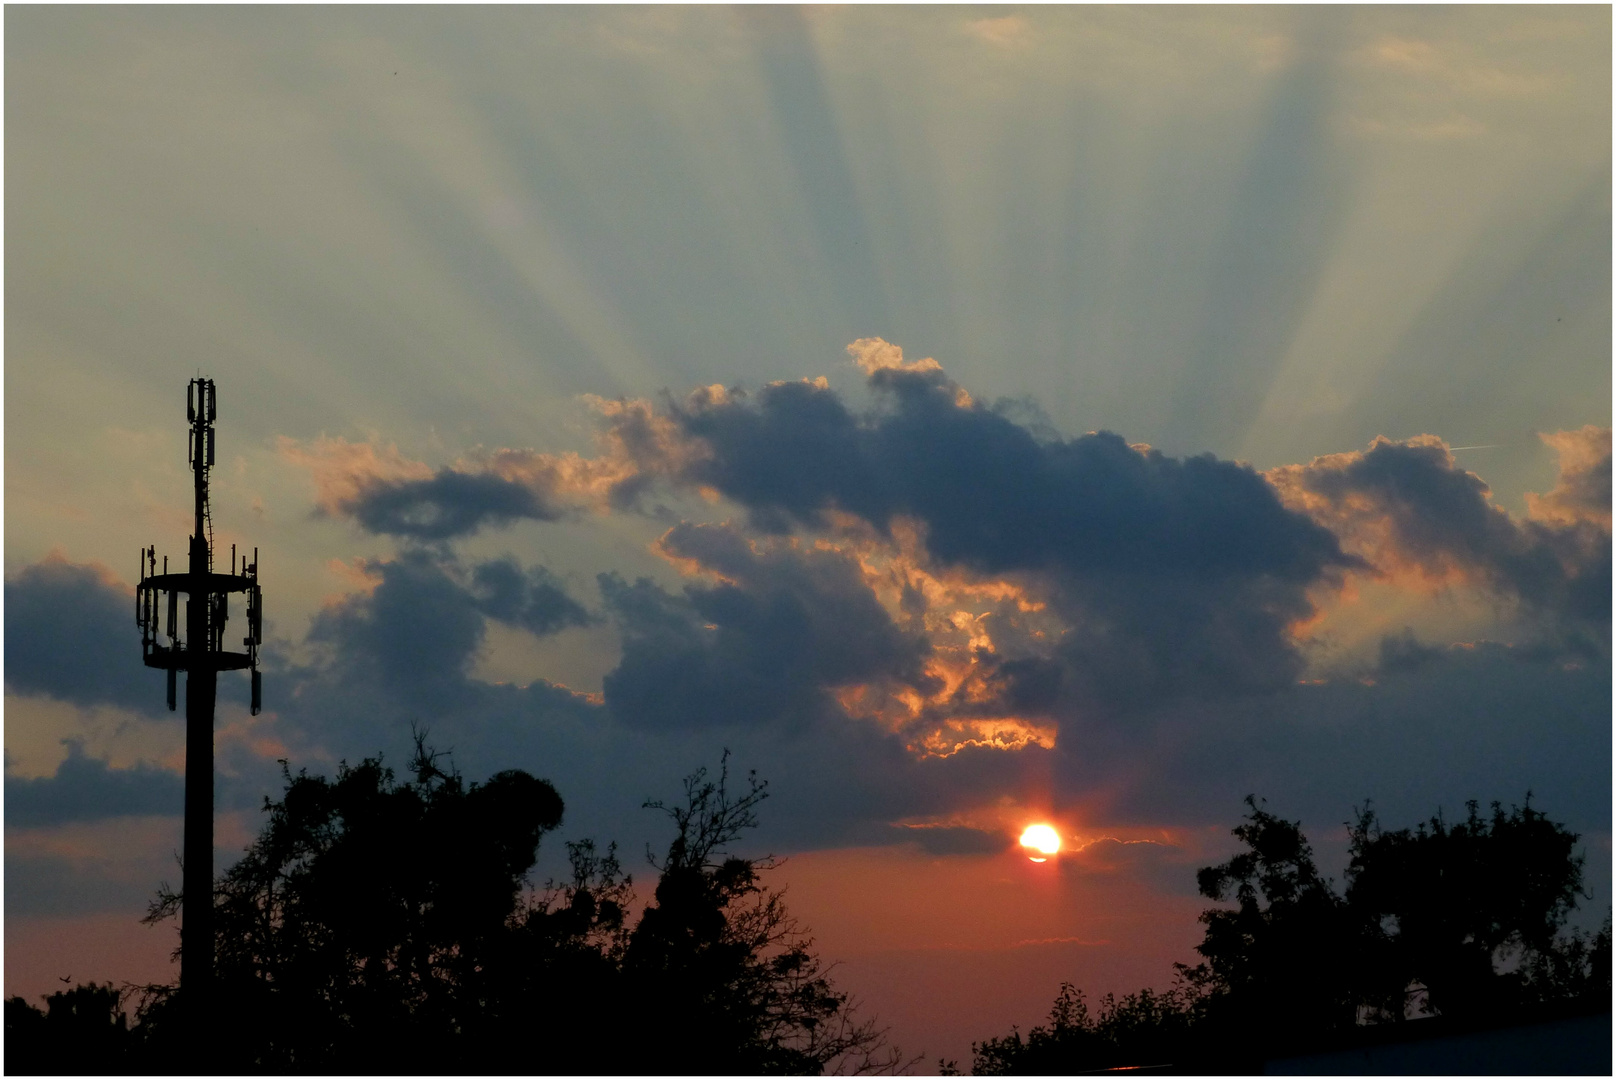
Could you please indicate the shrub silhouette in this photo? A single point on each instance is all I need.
(1142, 1029)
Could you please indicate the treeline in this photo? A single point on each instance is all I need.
(379, 925)
(385, 926)
(1462, 920)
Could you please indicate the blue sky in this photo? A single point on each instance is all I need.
(462, 277)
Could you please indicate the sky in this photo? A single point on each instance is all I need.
(965, 417)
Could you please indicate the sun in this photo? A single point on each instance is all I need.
(1042, 839)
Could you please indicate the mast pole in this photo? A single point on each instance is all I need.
(196, 645)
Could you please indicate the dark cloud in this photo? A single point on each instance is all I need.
(747, 660)
(954, 840)
(70, 634)
(416, 634)
(89, 789)
(1175, 576)
(1409, 503)
(384, 492)
(412, 638)
(1478, 721)
(766, 645)
(398, 659)
(1135, 640)
(993, 496)
(451, 503)
(1403, 652)
(534, 600)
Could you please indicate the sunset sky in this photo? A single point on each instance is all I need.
(968, 417)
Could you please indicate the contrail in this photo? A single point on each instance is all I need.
(1483, 446)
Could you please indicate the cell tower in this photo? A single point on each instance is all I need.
(195, 646)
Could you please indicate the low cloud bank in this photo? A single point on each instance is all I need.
(84, 788)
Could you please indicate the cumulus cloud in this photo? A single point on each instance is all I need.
(1582, 493)
(741, 663)
(874, 354)
(343, 471)
(991, 496)
(384, 492)
(450, 503)
(1176, 575)
(70, 634)
(398, 651)
(534, 599)
(1170, 575)
(778, 631)
(1404, 652)
(414, 636)
(90, 789)
(1408, 508)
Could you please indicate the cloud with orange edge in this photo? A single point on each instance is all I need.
(1581, 494)
(1419, 520)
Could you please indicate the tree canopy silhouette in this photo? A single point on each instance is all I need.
(387, 925)
(366, 924)
(1281, 959)
(1469, 912)
(82, 1031)
(727, 979)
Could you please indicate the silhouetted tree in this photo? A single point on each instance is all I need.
(553, 999)
(1471, 913)
(80, 1031)
(726, 979)
(1281, 964)
(357, 932)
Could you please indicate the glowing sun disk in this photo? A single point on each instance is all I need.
(1042, 838)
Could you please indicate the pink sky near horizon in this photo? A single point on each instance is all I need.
(942, 951)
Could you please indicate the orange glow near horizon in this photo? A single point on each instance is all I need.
(1043, 839)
